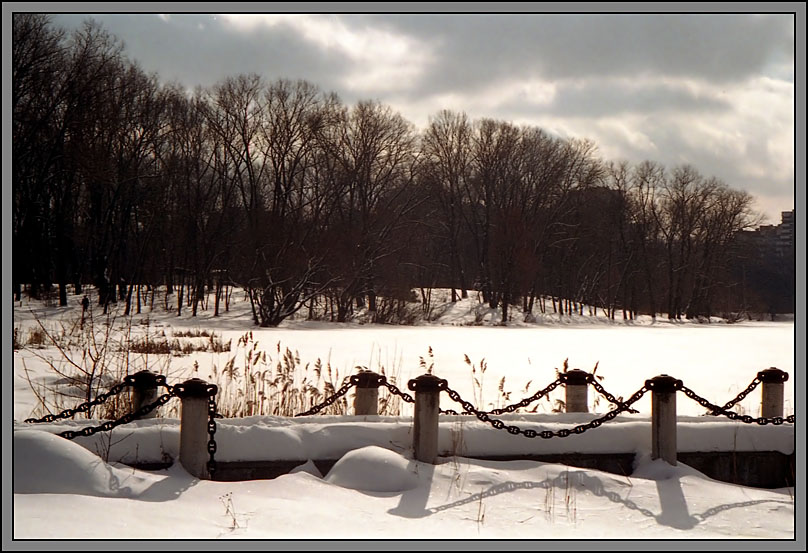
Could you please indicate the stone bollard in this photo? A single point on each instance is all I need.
(144, 392)
(773, 380)
(194, 419)
(366, 400)
(427, 388)
(663, 417)
(576, 383)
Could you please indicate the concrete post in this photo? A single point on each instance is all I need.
(427, 408)
(194, 455)
(663, 417)
(576, 383)
(366, 400)
(773, 380)
(144, 392)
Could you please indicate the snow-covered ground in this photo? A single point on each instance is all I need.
(78, 490)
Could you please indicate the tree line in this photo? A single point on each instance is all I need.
(121, 180)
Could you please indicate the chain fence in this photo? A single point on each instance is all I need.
(381, 381)
(546, 434)
(620, 405)
(131, 381)
(748, 419)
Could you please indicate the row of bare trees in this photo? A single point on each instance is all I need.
(120, 180)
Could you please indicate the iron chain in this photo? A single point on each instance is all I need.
(528, 400)
(127, 418)
(609, 397)
(160, 380)
(353, 381)
(741, 396)
(212, 389)
(510, 408)
(538, 395)
(748, 419)
(546, 434)
(128, 381)
(349, 383)
(395, 390)
(84, 407)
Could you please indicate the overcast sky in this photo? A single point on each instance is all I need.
(715, 91)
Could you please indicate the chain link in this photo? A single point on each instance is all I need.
(510, 408)
(538, 395)
(546, 434)
(127, 418)
(173, 391)
(528, 400)
(609, 397)
(350, 383)
(748, 419)
(85, 407)
(741, 396)
(353, 381)
(212, 389)
(395, 390)
(128, 381)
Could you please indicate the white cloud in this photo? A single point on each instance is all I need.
(379, 60)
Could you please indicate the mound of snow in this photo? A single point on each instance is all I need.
(308, 467)
(659, 470)
(47, 463)
(373, 469)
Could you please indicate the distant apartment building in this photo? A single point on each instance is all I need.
(785, 234)
(777, 239)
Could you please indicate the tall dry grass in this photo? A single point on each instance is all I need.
(257, 382)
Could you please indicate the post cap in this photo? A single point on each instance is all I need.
(663, 384)
(196, 387)
(772, 375)
(426, 383)
(367, 379)
(145, 379)
(576, 377)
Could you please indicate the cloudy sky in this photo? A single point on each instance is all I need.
(715, 91)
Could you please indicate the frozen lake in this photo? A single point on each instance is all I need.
(716, 360)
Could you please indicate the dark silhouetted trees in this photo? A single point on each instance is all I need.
(127, 182)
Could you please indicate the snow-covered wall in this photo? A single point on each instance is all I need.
(267, 438)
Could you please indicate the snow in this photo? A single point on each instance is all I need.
(50, 464)
(82, 489)
(375, 493)
(374, 469)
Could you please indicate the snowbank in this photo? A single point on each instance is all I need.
(62, 491)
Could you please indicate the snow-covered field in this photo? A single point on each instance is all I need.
(76, 489)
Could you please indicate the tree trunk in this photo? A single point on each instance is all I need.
(62, 294)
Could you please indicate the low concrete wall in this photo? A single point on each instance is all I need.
(761, 469)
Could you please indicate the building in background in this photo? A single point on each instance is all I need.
(785, 234)
(773, 239)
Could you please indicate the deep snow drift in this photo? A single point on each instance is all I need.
(63, 491)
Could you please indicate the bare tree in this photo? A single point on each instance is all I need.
(375, 159)
(446, 157)
(272, 138)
